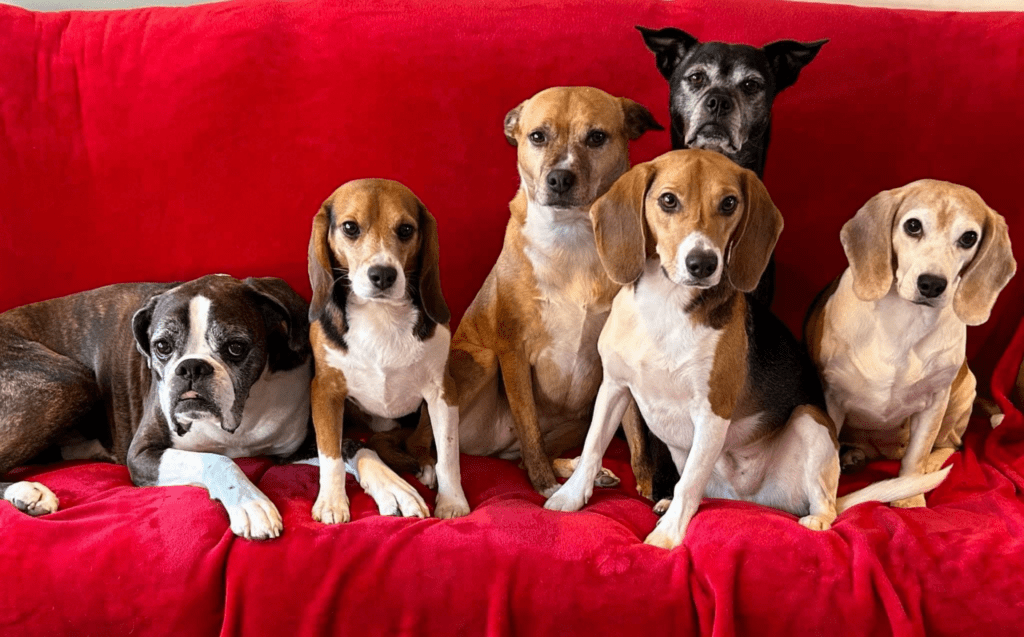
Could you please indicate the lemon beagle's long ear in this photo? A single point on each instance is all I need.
(756, 236)
(321, 277)
(987, 274)
(867, 241)
(624, 241)
(429, 270)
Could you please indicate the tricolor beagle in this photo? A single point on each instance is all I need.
(889, 335)
(716, 376)
(525, 355)
(380, 337)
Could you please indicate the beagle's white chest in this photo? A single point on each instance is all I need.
(387, 368)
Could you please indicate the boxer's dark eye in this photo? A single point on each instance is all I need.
(912, 227)
(351, 229)
(668, 202)
(697, 80)
(236, 349)
(596, 138)
(728, 205)
(968, 239)
(750, 86)
(162, 348)
(405, 231)
(537, 137)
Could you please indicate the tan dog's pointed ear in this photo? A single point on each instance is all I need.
(867, 241)
(756, 236)
(512, 123)
(987, 274)
(623, 239)
(430, 270)
(321, 277)
(638, 119)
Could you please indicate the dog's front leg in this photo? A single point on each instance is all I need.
(328, 406)
(251, 514)
(612, 400)
(924, 428)
(708, 439)
(451, 500)
(515, 372)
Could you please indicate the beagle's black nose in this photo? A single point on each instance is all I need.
(930, 285)
(560, 181)
(382, 276)
(718, 104)
(194, 369)
(701, 264)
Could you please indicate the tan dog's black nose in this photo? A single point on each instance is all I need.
(718, 104)
(931, 286)
(382, 277)
(194, 369)
(701, 264)
(560, 181)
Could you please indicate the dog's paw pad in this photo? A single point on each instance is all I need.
(815, 523)
(606, 479)
(31, 498)
(662, 506)
(910, 503)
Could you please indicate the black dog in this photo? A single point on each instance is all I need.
(720, 98)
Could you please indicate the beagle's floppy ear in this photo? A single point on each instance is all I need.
(988, 272)
(321, 277)
(867, 241)
(512, 123)
(638, 119)
(624, 241)
(756, 236)
(429, 270)
(285, 315)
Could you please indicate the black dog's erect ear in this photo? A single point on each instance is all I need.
(669, 45)
(787, 57)
(286, 316)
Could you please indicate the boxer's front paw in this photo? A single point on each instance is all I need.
(910, 503)
(255, 519)
(447, 507)
(331, 507)
(393, 495)
(31, 497)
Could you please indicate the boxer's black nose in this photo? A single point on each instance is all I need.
(931, 286)
(194, 369)
(382, 276)
(701, 263)
(718, 104)
(560, 181)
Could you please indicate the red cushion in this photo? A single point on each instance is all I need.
(161, 144)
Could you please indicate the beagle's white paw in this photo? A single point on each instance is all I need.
(31, 497)
(447, 507)
(566, 500)
(331, 507)
(255, 519)
(661, 538)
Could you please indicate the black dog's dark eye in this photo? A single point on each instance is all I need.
(162, 348)
(697, 79)
(351, 229)
(668, 202)
(237, 349)
(912, 227)
(405, 231)
(537, 137)
(596, 138)
(728, 205)
(750, 86)
(968, 239)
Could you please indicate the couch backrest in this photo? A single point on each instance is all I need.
(166, 143)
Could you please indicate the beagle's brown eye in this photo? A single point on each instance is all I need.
(668, 202)
(537, 137)
(596, 138)
(351, 229)
(697, 80)
(728, 205)
(405, 231)
(162, 348)
(968, 239)
(912, 227)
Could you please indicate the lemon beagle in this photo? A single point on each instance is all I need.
(889, 335)
(716, 376)
(380, 337)
(525, 358)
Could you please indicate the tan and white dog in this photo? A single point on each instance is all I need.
(380, 337)
(889, 336)
(716, 375)
(525, 358)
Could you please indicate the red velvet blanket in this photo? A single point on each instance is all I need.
(163, 144)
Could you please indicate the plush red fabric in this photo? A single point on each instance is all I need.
(163, 144)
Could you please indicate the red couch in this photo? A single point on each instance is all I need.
(163, 144)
